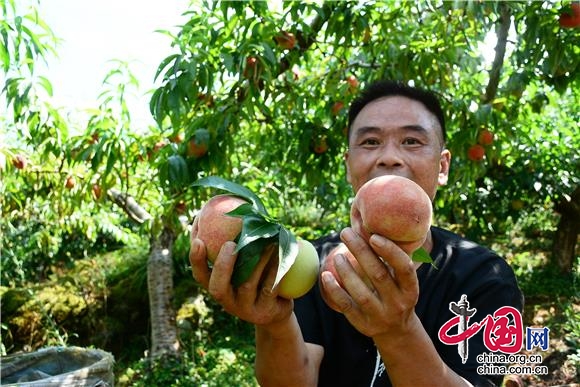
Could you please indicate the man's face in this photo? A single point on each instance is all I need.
(397, 136)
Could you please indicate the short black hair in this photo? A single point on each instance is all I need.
(388, 88)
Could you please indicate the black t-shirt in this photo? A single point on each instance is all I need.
(460, 267)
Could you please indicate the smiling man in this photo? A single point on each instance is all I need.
(387, 335)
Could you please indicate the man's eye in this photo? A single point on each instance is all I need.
(369, 142)
(411, 141)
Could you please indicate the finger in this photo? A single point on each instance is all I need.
(403, 267)
(338, 298)
(194, 228)
(198, 261)
(220, 280)
(361, 293)
(270, 271)
(375, 268)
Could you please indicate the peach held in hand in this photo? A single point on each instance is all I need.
(302, 274)
(214, 227)
(394, 207)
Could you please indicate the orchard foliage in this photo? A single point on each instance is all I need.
(267, 107)
(258, 93)
(55, 172)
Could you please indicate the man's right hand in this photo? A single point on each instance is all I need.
(253, 301)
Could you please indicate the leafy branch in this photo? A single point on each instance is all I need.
(259, 230)
(305, 41)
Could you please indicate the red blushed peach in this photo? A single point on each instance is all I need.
(476, 152)
(394, 207)
(214, 227)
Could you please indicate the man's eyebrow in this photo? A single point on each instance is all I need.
(364, 130)
(415, 128)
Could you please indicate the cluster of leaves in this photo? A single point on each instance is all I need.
(56, 171)
(219, 352)
(216, 367)
(55, 200)
(528, 169)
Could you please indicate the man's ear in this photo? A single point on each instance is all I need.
(444, 164)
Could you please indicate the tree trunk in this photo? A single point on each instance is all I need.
(160, 286)
(566, 238)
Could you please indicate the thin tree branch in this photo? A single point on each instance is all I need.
(502, 31)
(129, 205)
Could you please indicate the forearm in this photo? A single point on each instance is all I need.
(412, 360)
(282, 356)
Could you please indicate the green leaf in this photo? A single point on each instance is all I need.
(256, 227)
(421, 255)
(248, 258)
(111, 160)
(288, 251)
(233, 188)
(178, 172)
(243, 210)
(45, 83)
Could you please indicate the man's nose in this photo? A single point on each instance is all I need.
(389, 157)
